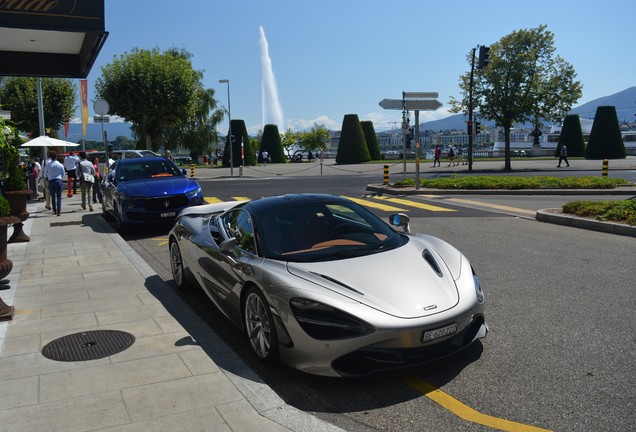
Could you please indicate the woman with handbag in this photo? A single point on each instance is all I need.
(87, 178)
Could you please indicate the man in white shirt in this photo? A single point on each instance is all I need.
(70, 166)
(54, 172)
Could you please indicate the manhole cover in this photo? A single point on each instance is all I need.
(89, 345)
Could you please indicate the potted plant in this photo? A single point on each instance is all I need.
(14, 186)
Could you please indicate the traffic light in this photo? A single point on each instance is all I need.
(470, 128)
(484, 57)
(477, 128)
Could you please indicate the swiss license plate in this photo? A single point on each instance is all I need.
(168, 214)
(440, 332)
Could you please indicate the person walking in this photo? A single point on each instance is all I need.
(438, 154)
(97, 189)
(86, 173)
(70, 165)
(54, 174)
(563, 155)
(451, 156)
(460, 155)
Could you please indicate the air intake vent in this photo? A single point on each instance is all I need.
(431, 261)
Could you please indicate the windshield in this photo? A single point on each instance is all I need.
(323, 231)
(142, 168)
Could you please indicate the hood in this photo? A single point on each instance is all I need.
(158, 187)
(401, 282)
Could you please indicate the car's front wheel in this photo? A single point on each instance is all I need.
(259, 325)
(176, 266)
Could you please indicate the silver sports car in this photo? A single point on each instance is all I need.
(325, 286)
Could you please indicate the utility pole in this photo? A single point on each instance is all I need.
(470, 112)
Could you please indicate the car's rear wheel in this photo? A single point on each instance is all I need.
(176, 266)
(259, 325)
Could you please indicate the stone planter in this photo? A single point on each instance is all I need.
(6, 265)
(18, 202)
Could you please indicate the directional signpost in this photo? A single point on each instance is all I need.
(413, 101)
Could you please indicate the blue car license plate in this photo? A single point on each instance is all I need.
(440, 332)
(168, 214)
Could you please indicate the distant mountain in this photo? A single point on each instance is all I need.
(94, 131)
(624, 101)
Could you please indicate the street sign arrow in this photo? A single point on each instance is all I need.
(411, 104)
(420, 95)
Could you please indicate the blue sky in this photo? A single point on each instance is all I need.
(331, 58)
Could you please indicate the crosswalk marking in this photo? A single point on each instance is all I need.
(376, 205)
(493, 206)
(377, 202)
(416, 204)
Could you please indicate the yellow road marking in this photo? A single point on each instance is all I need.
(240, 198)
(416, 204)
(495, 206)
(163, 240)
(376, 205)
(464, 411)
(212, 200)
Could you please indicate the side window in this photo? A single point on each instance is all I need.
(239, 224)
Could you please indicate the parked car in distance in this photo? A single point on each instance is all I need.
(325, 286)
(140, 190)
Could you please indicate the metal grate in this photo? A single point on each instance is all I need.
(90, 345)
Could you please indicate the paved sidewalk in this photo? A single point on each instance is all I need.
(77, 275)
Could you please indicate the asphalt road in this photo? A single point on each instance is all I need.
(560, 301)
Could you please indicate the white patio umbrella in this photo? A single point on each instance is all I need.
(45, 141)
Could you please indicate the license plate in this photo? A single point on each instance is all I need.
(440, 332)
(168, 214)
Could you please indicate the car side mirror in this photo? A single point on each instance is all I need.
(227, 248)
(400, 220)
(184, 172)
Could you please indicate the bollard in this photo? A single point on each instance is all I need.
(191, 170)
(386, 174)
(605, 167)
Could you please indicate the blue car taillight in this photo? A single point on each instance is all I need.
(324, 322)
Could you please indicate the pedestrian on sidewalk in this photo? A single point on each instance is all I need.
(70, 165)
(563, 155)
(86, 172)
(55, 173)
(438, 155)
(451, 155)
(45, 183)
(97, 188)
(460, 155)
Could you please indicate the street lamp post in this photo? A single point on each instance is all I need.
(229, 114)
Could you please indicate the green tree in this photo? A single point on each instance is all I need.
(240, 135)
(153, 90)
(271, 142)
(199, 131)
(19, 95)
(572, 136)
(606, 141)
(352, 147)
(314, 139)
(524, 81)
(372, 140)
(289, 140)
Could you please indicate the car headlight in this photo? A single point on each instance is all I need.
(478, 290)
(196, 193)
(129, 202)
(324, 322)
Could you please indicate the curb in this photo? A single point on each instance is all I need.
(556, 216)
(389, 190)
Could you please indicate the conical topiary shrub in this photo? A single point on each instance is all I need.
(239, 132)
(271, 142)
(352, 147)
(572, 136)
(606, 141)
(372, 140)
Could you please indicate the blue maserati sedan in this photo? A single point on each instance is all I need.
(146, 190)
